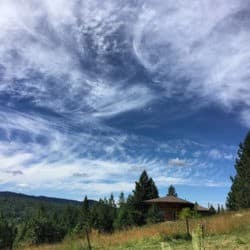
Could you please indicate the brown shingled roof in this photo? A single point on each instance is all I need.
(202, 209)
(168, 199)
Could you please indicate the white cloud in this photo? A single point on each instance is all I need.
(194, 41)
(203, 51)
(197, 154)
(43, 39)
(178, 162)
(215, 154)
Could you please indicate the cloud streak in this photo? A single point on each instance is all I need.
(70, 71)
(198, 51)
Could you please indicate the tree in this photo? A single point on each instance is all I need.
(171, 191)
(103, 215)
(222, 209)
(121, 200)
(154, 215)
(86, 219)
(218, 209)
(145, 189)
(42, 229)
(212, 210)
(71, 217)
(124, 217)
(196, 214)
(239, 195)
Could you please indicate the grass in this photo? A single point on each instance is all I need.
(228, 230)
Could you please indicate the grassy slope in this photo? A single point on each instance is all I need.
(229, 230)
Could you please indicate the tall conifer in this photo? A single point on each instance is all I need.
(239, 195)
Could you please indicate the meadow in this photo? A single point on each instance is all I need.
(229, 230)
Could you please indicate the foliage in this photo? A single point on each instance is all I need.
(7, 234)
(171, 191)
(239, 195)
(154, 215)
(145, 189)
(124, 218)
(212, 210)
(83, 221)
(103, 215)
(185, 214)
(42, 229)
(19, 207)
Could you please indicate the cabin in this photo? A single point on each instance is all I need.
(171, 206)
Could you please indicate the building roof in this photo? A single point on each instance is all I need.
(169, 199)
(202, 209)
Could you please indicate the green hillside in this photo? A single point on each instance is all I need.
(19, 207)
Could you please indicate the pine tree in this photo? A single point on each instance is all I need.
(239, 195)
(171, 191)
(124, 218)
(145, 189)
(85, 214)
(212, 210)
(122, 200)
(218, 209)
(222, 209)
(103, 215)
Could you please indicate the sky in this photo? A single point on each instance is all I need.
(94, 92)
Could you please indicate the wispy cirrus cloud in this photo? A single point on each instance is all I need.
(198, 51)
(68, 67)
(177, 162)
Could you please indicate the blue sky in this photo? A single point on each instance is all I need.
(93, 92)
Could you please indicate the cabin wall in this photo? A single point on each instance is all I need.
(171, 211)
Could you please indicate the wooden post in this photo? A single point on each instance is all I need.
(202, 236)
(88, 240)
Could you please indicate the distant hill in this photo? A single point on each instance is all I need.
(18, 206)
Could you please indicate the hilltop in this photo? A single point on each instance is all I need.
(18, 206)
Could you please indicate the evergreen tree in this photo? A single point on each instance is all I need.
(196, 214)
(122, 199)
(222, 209)
(145, 189)
(103, 215)
(239, 195)
(218, 209)
(42, 229)
(212, 210)
(124, 218)
(171, 191)
(70, 218)
(154, 215)
(84, 220)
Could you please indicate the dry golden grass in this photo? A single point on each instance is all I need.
(218, 224)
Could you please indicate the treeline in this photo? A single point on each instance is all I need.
(19, 207)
